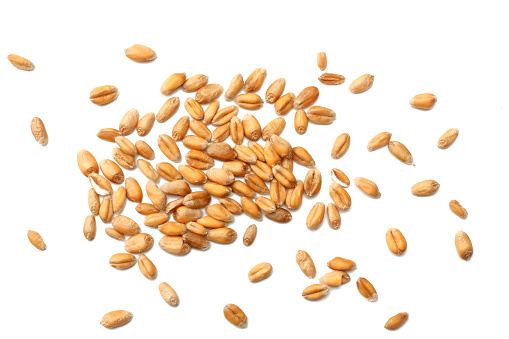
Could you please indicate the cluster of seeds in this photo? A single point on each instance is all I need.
(267, 171)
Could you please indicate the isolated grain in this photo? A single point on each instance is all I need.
(396, 321)
(199, 160)
(200, 129)
(195, 142)
(361, 84)
(39, 131)
(194, 109)
(321, 115)
(276, 126)
(169, 295)
(144, 149)
(177, 187)
(146, 209)
(236, 130)
(340, 146)
(306, 264)
(379, 140)
(302, 157)
(100, 184)
(125, 225)
(112, 171)
(122, 261)
(271, 157)
(315, 216)
(36, 240)
(173, 82)
(222, 235)
(221, 176)
(284, 104)
(140, 53)
(169, 147)
(425, 188)
(168, 109)
(179, 131)
(312, 182)
(116, 318)
(262, 170)
(172, 228)
(335, 278)
(221, 151)
(93, 201)
(145, 124)
(275, 90)
(196, 228)
(125, 145)
(235, 315)
(366, 289)
(255, 80)
(123, 159)
(423, 101)
(294, 196)
(108, 134)
(284, 176)
(401, 152)
(103, 95)
(280, 215)
(277, 193)
(106, 209)
(245, 154)
(147, 170)
(333, 216)
(395, 241)
(174, 245)
(196, 241)
(341, 264)
(250, 235)
(301, 122)
(197, 199)
(251, 127)
(87, 163)
(147, 267)
(249, 101)
(238, 168)
(367, 186)
(315, 291)
(321, 61)
(20, 63)
(306, 97)
(195, 82)
(457, 209)
(134, 192)
(173, 205)
(185, 214)
(216, 190)
(113, 233)
(331, 79)
(259, 272)
(155, 195)
(210, 112)
(447, 138)
(208, 93)
(235, 86)
(463, 245)
(339, 177)
(89, 227)
(139, 243)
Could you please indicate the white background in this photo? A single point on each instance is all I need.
(456, 50)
